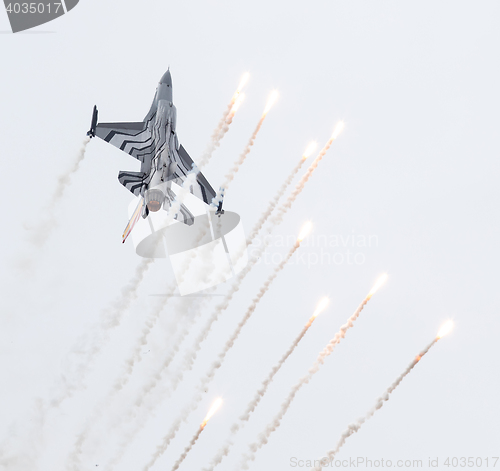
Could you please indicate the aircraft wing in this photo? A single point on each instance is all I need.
(133, 138)
(203, 189)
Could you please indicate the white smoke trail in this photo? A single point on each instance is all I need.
(224, 450)
(205, 381)
(267, 381)
(74, 458)
(155, 380)
(20, 452)
(145, 401)
(191, 355)
(217, 136)
(232, 107)
(155, 314)
(64, 179)
(157, 376)
(120, 382)
(283, 209)
(354, 427)
(239, 162)
(272, 204)
(276, 422)
(40, 233)
(221, 130)
(149, 401)
(111, 319)
(211, 412)
(278, 217)
(81, 357)
(275, 221)
(150, 323)
(187, 449)
(153, 318)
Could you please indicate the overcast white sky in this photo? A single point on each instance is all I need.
(417, 168)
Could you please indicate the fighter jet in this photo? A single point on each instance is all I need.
(154, 143)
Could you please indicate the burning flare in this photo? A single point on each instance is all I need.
(445, 329)
(304, 231)
(270, 102)
(309, 150)
(263, 437)
(211, 412)
(243, 82)
(278, 217)
(260, 393)
(215, 407)
(355, 426)
(322, 305)
(217, 136)
(380, 281)
(338, 129)
(237, 104)
(239, 162)
(208, 377)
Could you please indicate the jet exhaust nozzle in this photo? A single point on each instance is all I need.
(154, 200)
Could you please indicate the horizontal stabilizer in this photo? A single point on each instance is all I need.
(132, 181)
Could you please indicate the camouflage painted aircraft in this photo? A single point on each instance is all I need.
(154, 143)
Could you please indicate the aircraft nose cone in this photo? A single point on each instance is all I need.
(167, 78)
